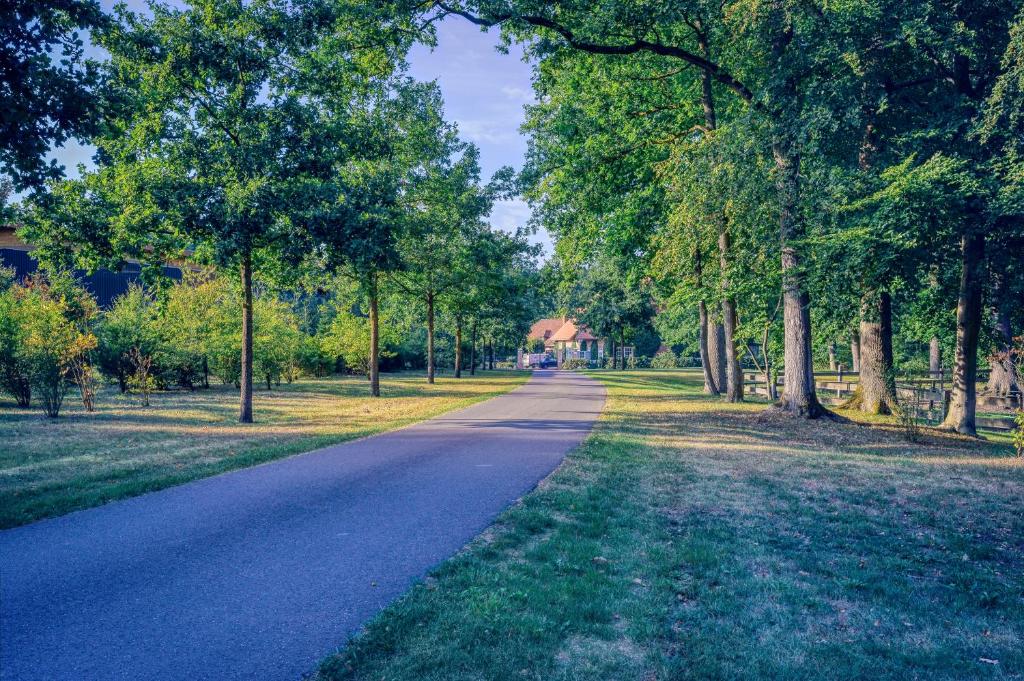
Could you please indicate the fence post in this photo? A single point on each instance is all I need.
(840, 373)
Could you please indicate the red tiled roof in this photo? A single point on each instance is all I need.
(545, 328)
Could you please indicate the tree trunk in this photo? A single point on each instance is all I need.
(430, 338)
(716, 354)
(374, 338)
(245, 408)
(472, 351)
(798, 394)
(876, 389)
(710, 387)
(934, 357)
(832, 365)
(730, 375)
(622, 344)
(458, 349)
(733, 368)
(963, 398)
(1002, 379)
(855, 351)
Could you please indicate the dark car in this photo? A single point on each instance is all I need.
(548, 363)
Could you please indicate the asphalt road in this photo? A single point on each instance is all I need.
(260, 573)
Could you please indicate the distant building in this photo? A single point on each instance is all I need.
(565, 339)
(105, 285)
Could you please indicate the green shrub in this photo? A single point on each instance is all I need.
(665, 360)
(14, 374)
(127, 333)
(52, 346)
(638, 362)
(575, 363)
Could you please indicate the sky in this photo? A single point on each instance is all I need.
(484, 93)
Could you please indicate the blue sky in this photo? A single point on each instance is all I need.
(484, 92)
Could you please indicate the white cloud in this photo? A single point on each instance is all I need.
(487, 131)
(517, 94)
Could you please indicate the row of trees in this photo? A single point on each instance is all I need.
(277, 140)
(757, 169)
(765, 169)
(54, 337)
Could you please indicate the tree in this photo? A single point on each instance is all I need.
(209, 125)
(439, 249)
(356, 213)
(49, 87)
(611, 305)
(766, 53)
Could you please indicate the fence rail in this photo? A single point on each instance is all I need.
(928, 395)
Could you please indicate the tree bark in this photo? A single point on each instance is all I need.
(716, 354)
(733, 370)
(876, 388)
(798, 395)
(458, 349)
(430, 338)
(245, 406)
(731, 375)
(934, 357)
(832, 365)
(622, 344)
(374, 338)
(1002, 379)
(963, 397)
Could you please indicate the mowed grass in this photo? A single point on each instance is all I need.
(49, 467)
(690, 539)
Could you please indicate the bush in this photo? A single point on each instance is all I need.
(52, 346)
(14, 376)
(638, 362)
(128, 334)
(191, 327)
(665, 360)
(575, 363)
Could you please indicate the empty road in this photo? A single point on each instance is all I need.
(259, 573)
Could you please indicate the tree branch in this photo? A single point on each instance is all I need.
(639, 45)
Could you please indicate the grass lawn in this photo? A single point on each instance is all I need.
(690, 539)
(49, 467)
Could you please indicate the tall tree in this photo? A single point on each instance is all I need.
(210, 122)
(48, 86)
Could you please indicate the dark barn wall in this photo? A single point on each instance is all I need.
(103, 284)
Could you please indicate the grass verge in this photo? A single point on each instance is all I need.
(690, 539)
(50, 467)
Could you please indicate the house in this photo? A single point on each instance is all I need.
(564, 339)
(544, 329)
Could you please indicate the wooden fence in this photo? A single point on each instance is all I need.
(927, 395)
